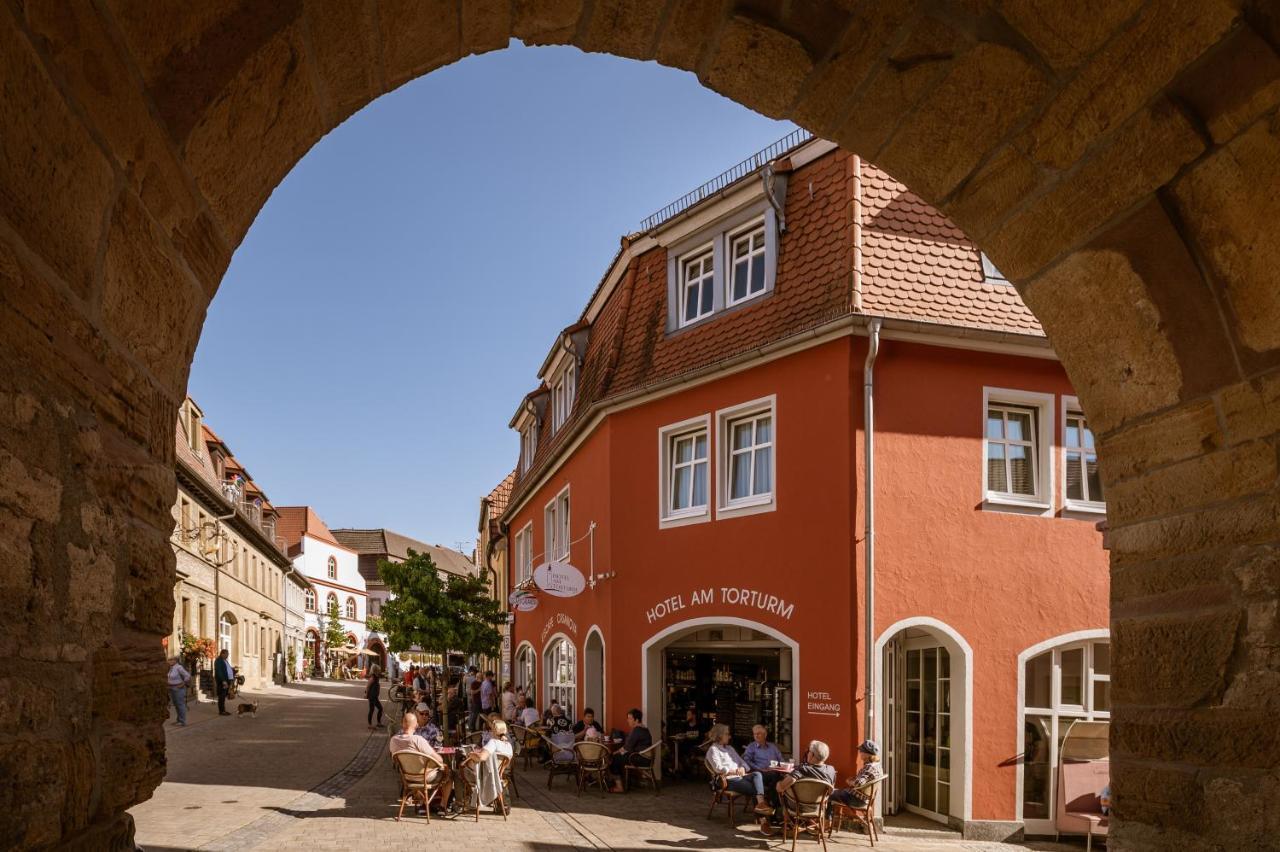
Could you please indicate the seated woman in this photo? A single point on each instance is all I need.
(638, 739)
(587, 728)
(529, 716)
(854, 795)
(410, 740)
(739, 778)
(481, 768)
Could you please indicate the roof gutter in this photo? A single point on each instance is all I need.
(869, 516)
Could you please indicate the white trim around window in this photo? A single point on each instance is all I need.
(1013, 409)
(524, 553)
(1071, 411)
(684, 460)
(758, 222)
(555, 525)
(697, 289)
(563, 391)
(749, 465)
(746, 260)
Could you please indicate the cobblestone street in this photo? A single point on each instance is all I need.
(307, 774)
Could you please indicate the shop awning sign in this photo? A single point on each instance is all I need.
(527, 603)
(559, 579)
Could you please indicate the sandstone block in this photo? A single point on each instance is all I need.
(269, 109)
(685, 35)
(486, 25)
(757, 65)
(1252, 68)
(996, 188)
(1170, 437)
(345, 46)
(623, 27)
(1124, 75)
(54, 202)
(546, 21)
(148, 302)
(1229, 203)
(1175, 661)
(1066, 34)
(1252, 409)
(417, 37)
(1237, 472)
(1250, 521)
(949, 132)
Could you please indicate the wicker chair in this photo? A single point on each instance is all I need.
(592, 763)
(419, 779)
(559, 764)
(529, 742)
(644, 773)
(720, 793)
(468, 788)
(864, 816)
(804, 808)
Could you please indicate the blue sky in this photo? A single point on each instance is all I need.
(392, 303)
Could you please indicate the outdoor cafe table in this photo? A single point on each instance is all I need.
(675, 740)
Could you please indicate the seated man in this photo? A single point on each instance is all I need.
(587, 728)
(638, 739)
(481, 768)
(759, 755)
(557, 721)
(410, 740)
(428, 731)
(854, 794)
(815, 766)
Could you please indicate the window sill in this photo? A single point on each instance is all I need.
(1079, 507)
(1001, 503)
(684, 519)
(754, 506)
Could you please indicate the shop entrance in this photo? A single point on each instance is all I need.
(732, 672)
(925, 684)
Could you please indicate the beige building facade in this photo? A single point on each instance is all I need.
(491, 558)
(233, 576)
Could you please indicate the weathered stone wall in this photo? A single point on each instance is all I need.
(1118, 159)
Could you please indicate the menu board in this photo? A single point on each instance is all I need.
(745, 716)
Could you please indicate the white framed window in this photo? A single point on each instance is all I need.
(528, 446)
(721, 265)
(555, 517)
(1081, 482)
(1016, 446)
(350, 612)
(524, 553)
(747, 264)
(563, 391)
(1059, 686)
(560, 662)
(746, 441)
(697, 286)
(331, 603)
(684, 472)
(331, 568)
(310, 597)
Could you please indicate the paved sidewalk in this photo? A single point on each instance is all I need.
(224, 770)
(306, 774)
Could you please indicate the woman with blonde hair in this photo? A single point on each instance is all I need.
(726, 763)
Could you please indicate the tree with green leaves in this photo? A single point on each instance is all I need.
(335, 636)
(439, 614)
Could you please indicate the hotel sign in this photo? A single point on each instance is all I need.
(725, 595)
(560, 579)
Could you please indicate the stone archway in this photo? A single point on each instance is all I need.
(1119, 164)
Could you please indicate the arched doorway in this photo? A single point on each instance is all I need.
(1123, 231)
(526, 670)
(924, 677)
(560, 672)
(377, 654)
(593, 676)
(229, 637)
(312, 651)
(741, 672)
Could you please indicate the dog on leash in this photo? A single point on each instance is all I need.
(246, 707)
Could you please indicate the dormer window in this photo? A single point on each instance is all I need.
(728, 263)
(189, 417)
(563, 392)
(528, 446)
(989, 272)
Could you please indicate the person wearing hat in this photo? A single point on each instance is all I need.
(854, 795)
(429, 730)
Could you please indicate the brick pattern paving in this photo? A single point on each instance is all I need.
(334, 803)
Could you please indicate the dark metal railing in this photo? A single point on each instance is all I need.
(720, 181)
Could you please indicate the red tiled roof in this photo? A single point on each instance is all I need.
(917, 265)
(296, 521)
(499, 496)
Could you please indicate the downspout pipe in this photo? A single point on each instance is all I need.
(869, 514)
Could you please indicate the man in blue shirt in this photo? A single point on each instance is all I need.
(223, 674)
(758, 753)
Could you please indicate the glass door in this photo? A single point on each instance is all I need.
(926, 735)
(892, 725)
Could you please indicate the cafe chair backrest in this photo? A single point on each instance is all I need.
(807, 795)
(413, 765)
(590, 754)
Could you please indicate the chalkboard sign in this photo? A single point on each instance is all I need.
(206, 681)
(745, 715)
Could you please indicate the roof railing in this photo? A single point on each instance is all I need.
(796, 137)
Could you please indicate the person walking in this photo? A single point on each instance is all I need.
(178, 679)
(223, 675)
(371, 693)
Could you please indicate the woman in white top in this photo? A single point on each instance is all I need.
(726, 763)
(529, 716)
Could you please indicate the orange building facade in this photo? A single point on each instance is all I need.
(697, 449)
